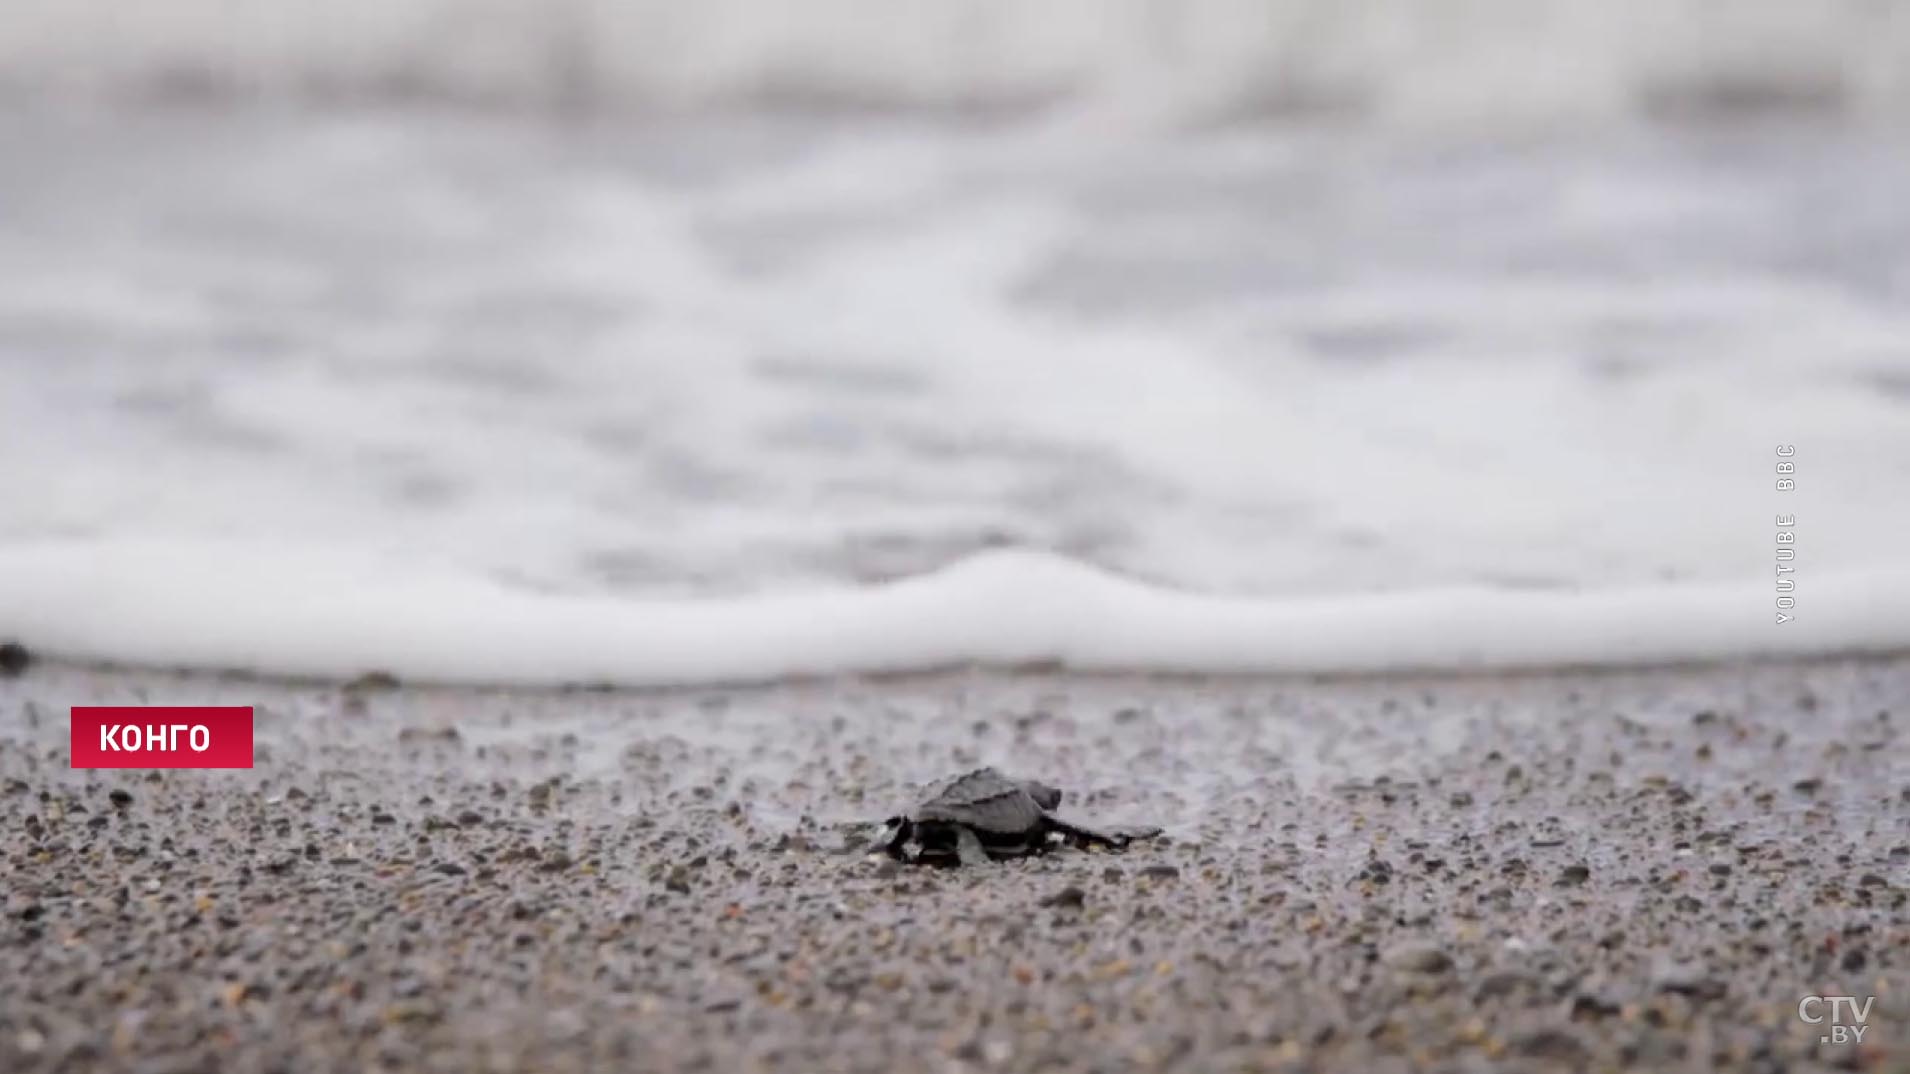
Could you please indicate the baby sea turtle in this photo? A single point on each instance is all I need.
(984, 814)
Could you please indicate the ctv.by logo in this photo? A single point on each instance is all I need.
(1846, 1027)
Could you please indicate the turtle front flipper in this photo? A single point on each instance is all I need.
(1116, 837)
(968, 847)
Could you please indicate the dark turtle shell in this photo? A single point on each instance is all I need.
(989, 802)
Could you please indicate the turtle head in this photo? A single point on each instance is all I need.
(1045, 796)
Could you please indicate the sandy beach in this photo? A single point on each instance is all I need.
(1640, 870)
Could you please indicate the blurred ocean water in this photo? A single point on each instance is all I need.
(289, 383)
(1398, 61)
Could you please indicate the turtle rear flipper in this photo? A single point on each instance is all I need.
(1116, 836)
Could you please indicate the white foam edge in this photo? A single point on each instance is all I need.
(283, 611)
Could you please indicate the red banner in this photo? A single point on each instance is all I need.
(162, 736)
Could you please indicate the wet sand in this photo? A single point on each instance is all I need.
(1603, 871)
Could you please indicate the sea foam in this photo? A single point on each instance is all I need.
(491, 400)
(264, 610)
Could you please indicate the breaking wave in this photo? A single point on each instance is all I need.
(1400, 61)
